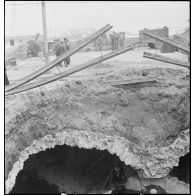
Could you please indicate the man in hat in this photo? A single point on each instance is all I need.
(118, 180)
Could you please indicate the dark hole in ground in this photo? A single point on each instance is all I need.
(66, 169)
(182, 171)
(27, 183)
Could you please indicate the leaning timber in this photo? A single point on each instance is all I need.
(69, 71)
(168, 41)
(61, 58)
(166, 59)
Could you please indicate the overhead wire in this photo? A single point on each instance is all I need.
(26, 4)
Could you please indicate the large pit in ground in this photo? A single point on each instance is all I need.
(70, 169)
(66, 169)
(145, 125)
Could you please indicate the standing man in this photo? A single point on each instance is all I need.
(112, 37)
(6, 78)
(120, 39)
(111, 41)
(99, 43)
(118, 180)
(123, 39)
(60, 50)
(66, 48)
(116, 41)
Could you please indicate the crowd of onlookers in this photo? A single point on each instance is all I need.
(117, 40)
(114, 40)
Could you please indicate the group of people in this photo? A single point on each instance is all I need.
(117, 40)
(60, 48)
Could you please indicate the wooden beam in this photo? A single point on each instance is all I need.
(168, 41)
(131, 81)
(69, 71)
(61, 58)
(166, 59)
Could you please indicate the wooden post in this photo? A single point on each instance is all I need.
(45, 32)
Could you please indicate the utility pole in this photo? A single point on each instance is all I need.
(45, 32)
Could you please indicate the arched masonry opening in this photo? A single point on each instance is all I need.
(94, 147)
(67, 169)
(79, 152)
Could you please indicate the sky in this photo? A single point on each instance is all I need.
(25, 17)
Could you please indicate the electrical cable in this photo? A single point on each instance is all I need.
(10, 5)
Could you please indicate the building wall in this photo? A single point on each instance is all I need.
(164, 32)
(167, 48)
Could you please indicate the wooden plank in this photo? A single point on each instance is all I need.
(69, 71)
(62, 57)
(168, 41)
(131, 81)
(166, 59)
